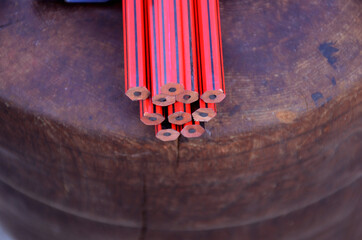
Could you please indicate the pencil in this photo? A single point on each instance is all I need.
(150, 114)
(134, 48)
(156, 56)
(205, 112)
(210, 45)
(166, 132)
(192, 130)
(190, 53)
(179, 113)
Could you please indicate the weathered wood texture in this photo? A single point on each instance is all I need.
(282, 159)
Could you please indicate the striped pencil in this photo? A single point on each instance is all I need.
(210, 46)
(179, 113)
(205, 112)
(167, 132)
(192, 130)
(190, 53)
(166, 48)
(171, 50)
(150, 114)
(134, 47)
(154, 28)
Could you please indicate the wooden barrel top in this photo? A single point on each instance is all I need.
(287, 136)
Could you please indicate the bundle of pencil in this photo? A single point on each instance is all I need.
(173, 63)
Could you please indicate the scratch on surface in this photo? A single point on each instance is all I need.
(6, 25)
(11, 22)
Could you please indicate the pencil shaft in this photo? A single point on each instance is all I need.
(213, 87)
(134, 50)
(190, 53)
(166, 44)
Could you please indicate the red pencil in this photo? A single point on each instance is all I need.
(154, 38)
(205, 112)
(171, 50)
(213, 87)
(179, 113)
(134, 50)
(166, 47)
(166, 134)
(192, 130)
(150, 114)
(190, 53)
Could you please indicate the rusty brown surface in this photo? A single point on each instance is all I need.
(281, 160)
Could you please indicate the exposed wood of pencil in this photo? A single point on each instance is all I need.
(190, 53)
(213, 87)
(152, 14)
(192, 130)
(134, 50)
(205, 113)
(179, 113)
